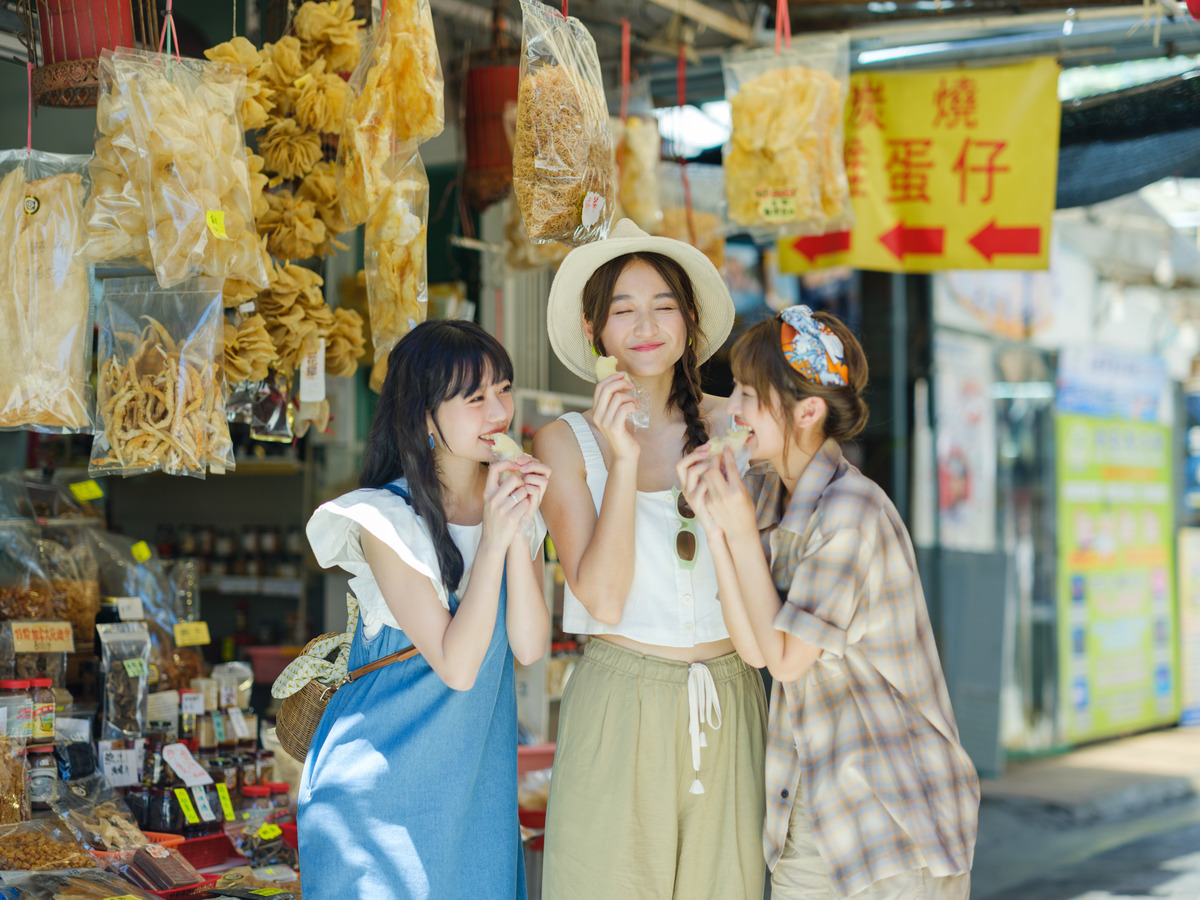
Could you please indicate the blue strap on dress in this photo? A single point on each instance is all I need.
(410, 787)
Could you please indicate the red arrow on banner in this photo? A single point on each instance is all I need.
(816, 245)
(902, 240)
(992, 240)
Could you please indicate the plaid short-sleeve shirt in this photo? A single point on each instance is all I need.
(868, 730)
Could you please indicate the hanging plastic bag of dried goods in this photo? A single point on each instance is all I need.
(784, 170)
(519, 251)
(638, 155)
(191, 166)
(25, 591)
(562, 161)
(161, 381)
(694, 211)
(399, 97)
(45, 294)
(394, 256)
(125, 668)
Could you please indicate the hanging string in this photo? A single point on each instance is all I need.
(681, 99)
(235, 18)
(29, 128)
(783, 26)
(169, 33)
(564, 9)
(382, 9)
(624, 69)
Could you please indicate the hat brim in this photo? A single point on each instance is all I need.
(564, 311)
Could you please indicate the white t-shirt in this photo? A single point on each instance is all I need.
(335, 533)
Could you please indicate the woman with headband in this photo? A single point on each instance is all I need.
(869, 792)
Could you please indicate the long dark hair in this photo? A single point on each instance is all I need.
(433, 363)
(686, 393)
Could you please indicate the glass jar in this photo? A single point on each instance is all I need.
(154, 767)
(18, 706)
(249, 743)
(42, 695)
(137, 798)
(208, 687)
(206, 735)
(223, 769)
(281, 794)
(266, 766)
(166, 731)
(247, 767)
(43, 775)
(162, 811)
(256, 798)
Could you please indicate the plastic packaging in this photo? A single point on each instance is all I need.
(191, 166)
(18, 708)
(562, 159)
(784, 168)
(705, 227)
(161, 380)
(97, 815)
(638, 154)
(45, 294)
(14, 782)
(125, 667)
(399, 97)
(40, 845)
(24, 589)
(96, 885)
(394, 257)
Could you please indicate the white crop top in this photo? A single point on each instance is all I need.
(335, 533)
(668, 605)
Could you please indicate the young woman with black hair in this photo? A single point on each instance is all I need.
(657, 789)
(409, 789)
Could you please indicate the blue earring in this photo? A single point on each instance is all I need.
(431, 440)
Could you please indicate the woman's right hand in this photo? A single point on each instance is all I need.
(505, 502)
(612, 404)
(691, 470)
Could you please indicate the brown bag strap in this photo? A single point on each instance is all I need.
(398, 656)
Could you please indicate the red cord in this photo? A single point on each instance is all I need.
(624, 69)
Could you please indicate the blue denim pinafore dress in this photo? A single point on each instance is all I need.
(410, 788)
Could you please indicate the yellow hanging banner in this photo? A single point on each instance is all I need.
(948, 170)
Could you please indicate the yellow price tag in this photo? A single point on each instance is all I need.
(140, 551)
(778, 209)
(134, 668)
(185, 803)
(87, 490)
(268, 892)
(215, 219)
(226, 804)
(192, 634)
(269, 832)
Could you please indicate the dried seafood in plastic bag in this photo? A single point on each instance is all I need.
(249, 352)
(257, 101)
(320, 188)
(293, 230)
(344, 343)
(329, 31)
(639, 154)
(45, 295)
(562, 158)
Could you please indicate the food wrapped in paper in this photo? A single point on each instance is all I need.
(115, 221)
(192, 166)
(399, 97)
(562, 158)
(161, 380)
(784, 168)
(394, 257)
(45, 294)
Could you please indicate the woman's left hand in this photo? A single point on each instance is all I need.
(722, 492)
(537, 476)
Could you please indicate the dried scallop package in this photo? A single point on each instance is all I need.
(115, 220)
(192, 166)
(563, 174)
(783, 167)
(399, 97)
(394, 257)
(45, 294)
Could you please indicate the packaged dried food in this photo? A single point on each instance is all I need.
(398, 97)
(165, 868)
(562, 157)
(702, 225)
(394, 257)
(639, 152)
(191, 165)
(40, 845)
(329, 31)
(125, 668)
(257, 100)
(161, 380)
(114, 219)
(260, 840)
(45, 294)
(97, 815)
(20, 659)
(784, 168)
(95, 885)
(24, 588)
(14, 782)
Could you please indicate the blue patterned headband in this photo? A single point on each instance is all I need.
(812, 349)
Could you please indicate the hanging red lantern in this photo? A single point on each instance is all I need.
(66, 37)
(1194, 8)
(490, 86)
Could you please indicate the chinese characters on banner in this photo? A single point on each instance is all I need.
(947, 170)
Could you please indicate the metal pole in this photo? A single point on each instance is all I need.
(900, 439)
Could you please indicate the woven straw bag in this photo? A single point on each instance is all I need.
(309, 682)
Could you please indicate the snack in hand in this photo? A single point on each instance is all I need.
(606, 366)
(735, 439)
(505, 448)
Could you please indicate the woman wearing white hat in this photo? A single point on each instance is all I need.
(658, 774)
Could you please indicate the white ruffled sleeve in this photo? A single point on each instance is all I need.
(335, 533)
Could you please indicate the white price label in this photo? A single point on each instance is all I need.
(238, 723)
(130, 609)
(191, 703)
(228, 695)
(202, 805)
(312, 376)
(593, 207)
(183, 764)
(120, 767)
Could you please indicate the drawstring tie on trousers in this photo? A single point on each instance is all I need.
(703, 709)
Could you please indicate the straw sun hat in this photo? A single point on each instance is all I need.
(564, 313)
